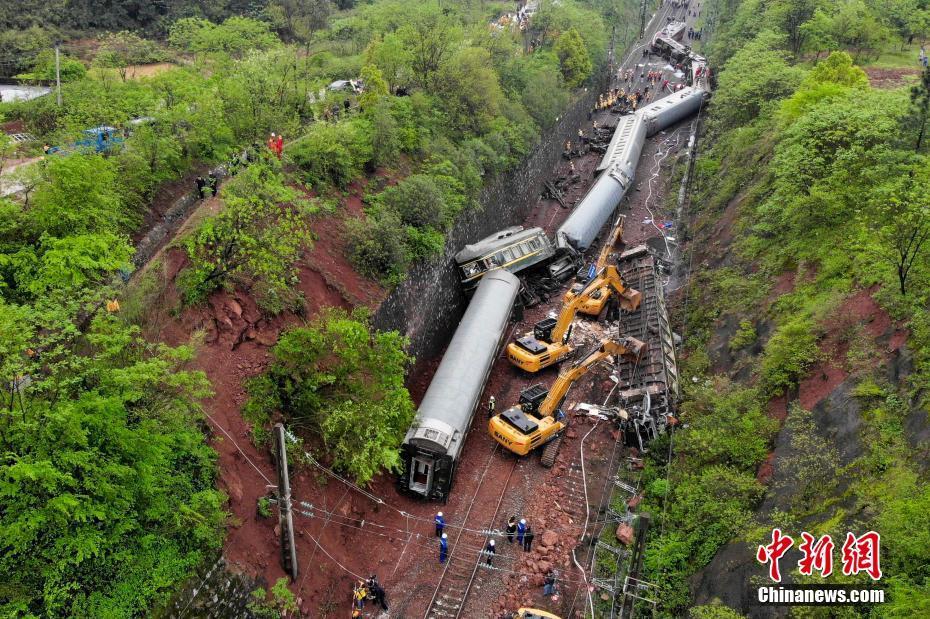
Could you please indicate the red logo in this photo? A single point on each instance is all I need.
(859, 554)
(773, 552)
(817, 555)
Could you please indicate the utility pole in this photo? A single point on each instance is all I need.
(285, 517)
(642, 19)
(58, 73)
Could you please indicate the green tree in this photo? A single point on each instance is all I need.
(43, 68)
(417, 200)
(573, 58)
(376, 246)
(469, 90)
(107, 484)
(920, 106)
(898, 218)
(254, 240)
(332, 153)
(345, 384)
(120, 50)
(375, 87)
(79, 194)
(392, 58)
(297, 20)
(429, 39)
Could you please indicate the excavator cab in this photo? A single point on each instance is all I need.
(537, 419)
(549, 342)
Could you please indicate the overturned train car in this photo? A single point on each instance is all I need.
(619, 165)
(431, 449)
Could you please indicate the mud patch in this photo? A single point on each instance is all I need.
(890, 78)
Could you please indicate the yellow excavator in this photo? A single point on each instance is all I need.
(538, 419)
(548, 343)
(594, 304)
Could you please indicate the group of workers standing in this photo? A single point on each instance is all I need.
(515, 529)
(276, 145)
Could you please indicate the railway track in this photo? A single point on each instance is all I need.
(464, 571)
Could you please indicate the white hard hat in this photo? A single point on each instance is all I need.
(492, 542)
(272, 134)
(439, 514)
(522, 520)
(445, 536)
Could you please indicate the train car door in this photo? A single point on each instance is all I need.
(421, 474)
(442, 478)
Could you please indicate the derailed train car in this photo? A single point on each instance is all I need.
(431, 449)
(619, 165)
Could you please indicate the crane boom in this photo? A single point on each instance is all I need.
(628, 347)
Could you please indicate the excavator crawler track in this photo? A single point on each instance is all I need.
(550, 452)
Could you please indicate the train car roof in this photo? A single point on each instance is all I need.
(619, 147)
(487, 245)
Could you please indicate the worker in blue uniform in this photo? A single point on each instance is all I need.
(440, 524)
(521, 530)
(443, 548)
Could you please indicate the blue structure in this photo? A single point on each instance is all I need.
(100, 139)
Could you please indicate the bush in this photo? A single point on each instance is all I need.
(376, 246)
(788, 354)
(417, 200)
(744, 336)
(333, 153)
(345, 383)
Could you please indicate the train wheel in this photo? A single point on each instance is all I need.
(550, 451)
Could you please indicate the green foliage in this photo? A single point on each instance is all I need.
(332, 153)
(375, 87)
(264, 507)
(345, 383)
(788, 353)
(43, 68)
(417, 200)
(727, 425)
(284, 599)
(234, 36)
(79, 195)
(107, 483)
(714, 611)
(119, 50)
(376, 246)
(756, 77)
(254, 240)
(573, 58)
(469, 91)
(744, 336)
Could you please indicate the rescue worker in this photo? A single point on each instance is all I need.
(279, 146)
(359, 594)
(549, 583)
(521, 530)
(492, 403)
(440, 524)
(528, 539)
(490, 550)
(378, 592)
(511, 528)
(443, 548)
(272, 142)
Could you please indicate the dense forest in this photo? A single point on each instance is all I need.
(810, 203)
(108, 481)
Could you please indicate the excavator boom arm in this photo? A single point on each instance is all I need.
(628, 347)
(608, 276)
